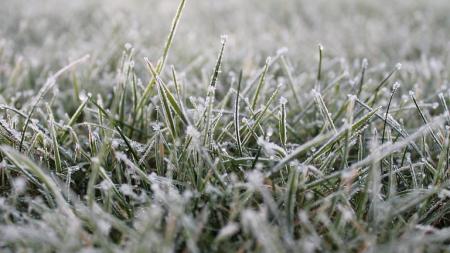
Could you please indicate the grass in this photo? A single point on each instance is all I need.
(203, 147)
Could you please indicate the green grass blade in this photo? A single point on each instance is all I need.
(261, 82)
(165, 54)
(236, 115)
(53, 133)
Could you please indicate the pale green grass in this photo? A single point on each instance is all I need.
(122, 131)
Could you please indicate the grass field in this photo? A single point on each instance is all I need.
(224, 126)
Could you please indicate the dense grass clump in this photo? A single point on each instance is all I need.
(184, 143)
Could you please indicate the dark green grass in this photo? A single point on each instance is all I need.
(228, 158)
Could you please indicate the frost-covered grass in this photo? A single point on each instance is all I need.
(134, 126)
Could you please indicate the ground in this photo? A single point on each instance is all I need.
(224, 126)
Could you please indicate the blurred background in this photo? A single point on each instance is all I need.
(382, 31)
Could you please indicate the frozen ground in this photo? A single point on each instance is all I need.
(104, 151)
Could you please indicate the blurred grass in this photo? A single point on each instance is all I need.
(114, 154)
